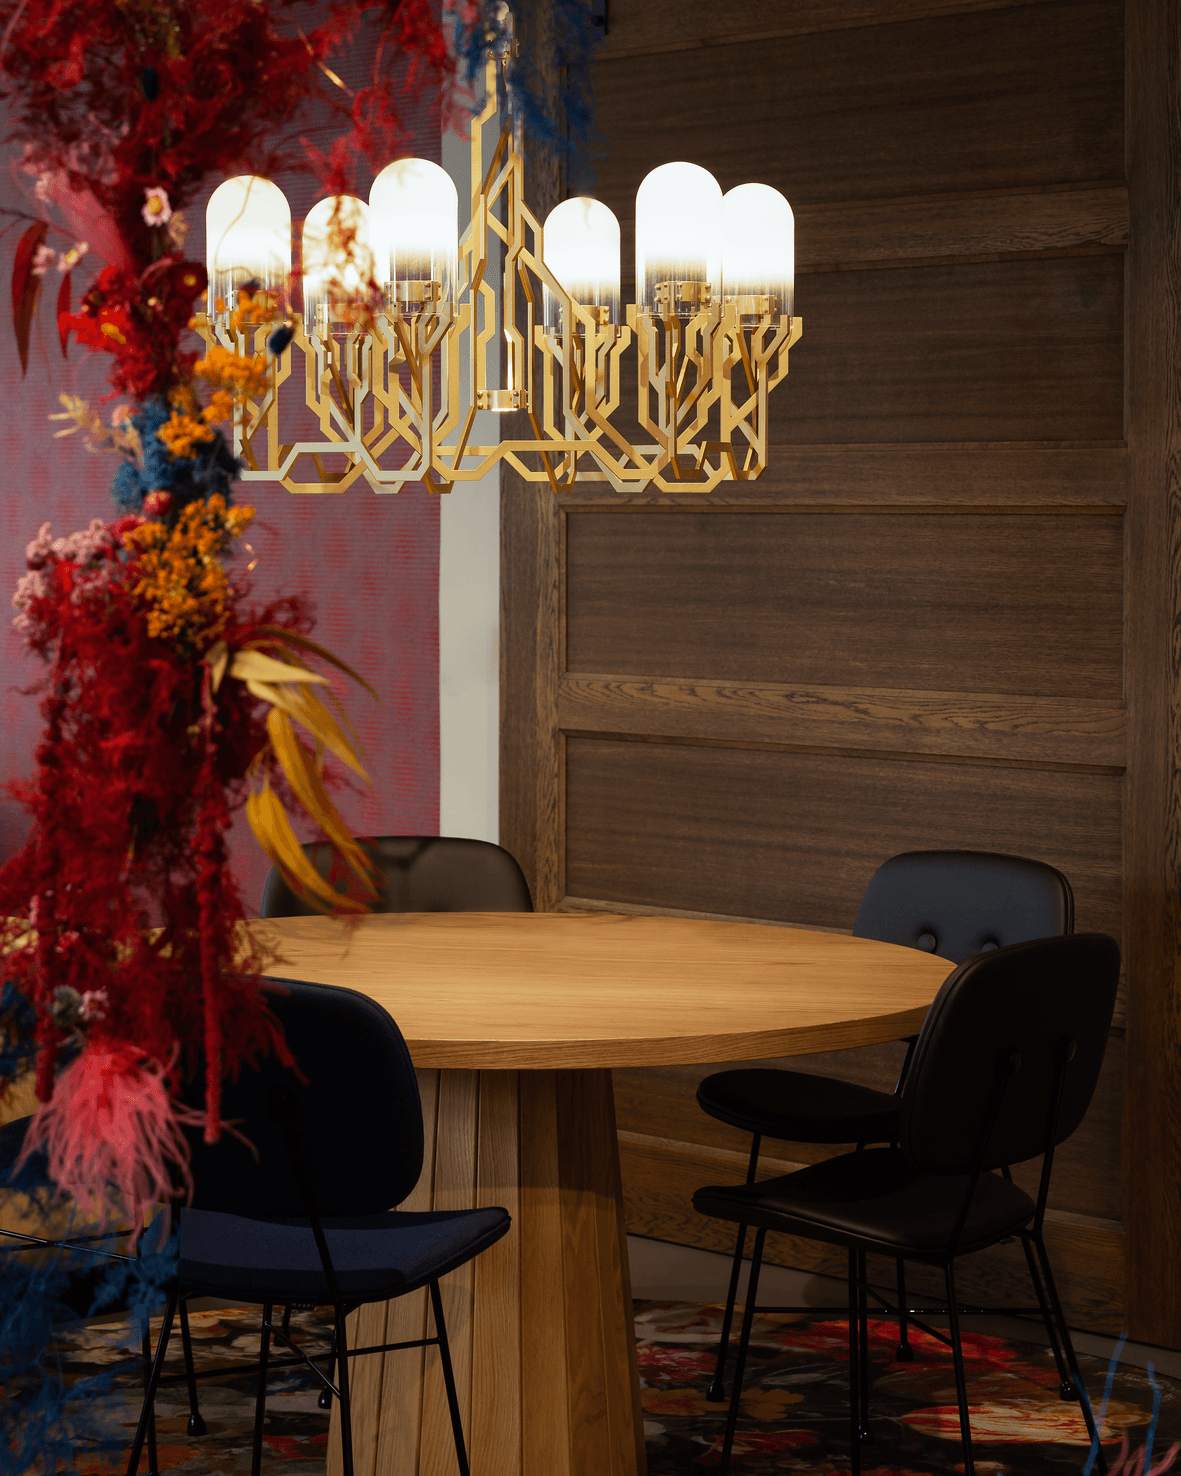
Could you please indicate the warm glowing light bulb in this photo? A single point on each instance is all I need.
(678, 240)
(758, 249)
(248, 238)
(582, 250)
(337, 257)
(414, 216)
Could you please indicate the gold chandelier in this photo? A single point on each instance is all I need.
(404, 338)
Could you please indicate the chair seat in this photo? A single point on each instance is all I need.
(874, 1201)
(799, 1107)
(375, 1257)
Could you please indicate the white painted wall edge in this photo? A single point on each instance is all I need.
(469, 619)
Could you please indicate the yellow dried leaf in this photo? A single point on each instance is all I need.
(273, 831)
(250, 664)
(294, 759)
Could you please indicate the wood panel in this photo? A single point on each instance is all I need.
(1009, 351)
(980, 725)
(1088, 1258)
(913, 602)
(651, 27)
(946, 479)
(991, 225)
(750, 723)
(793, 835)
(1152, 1123)
(987, 100)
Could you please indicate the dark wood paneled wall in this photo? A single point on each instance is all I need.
(946, 614)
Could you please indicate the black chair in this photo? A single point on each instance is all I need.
(953, 903)
(418, 873)
(309, 1221)
(1003, 1071)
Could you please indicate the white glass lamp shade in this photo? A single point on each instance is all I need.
(582, 250)
(678, 239)
(337, 257)
(248, 238)
(758, 248)
(414, 217)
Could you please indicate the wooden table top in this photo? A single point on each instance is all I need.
(509, 990)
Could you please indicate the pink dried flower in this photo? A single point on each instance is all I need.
(157, 211)
(44, 259)
(178, 229)
(68, 260)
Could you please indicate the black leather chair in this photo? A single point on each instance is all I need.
(419, 873)
(309, 1219)
(953, 903)
(1003, 1071)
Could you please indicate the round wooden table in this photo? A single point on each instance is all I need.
(514, 1021)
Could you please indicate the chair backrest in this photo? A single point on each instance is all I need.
(960, 903)
(1027, 999)
(419, 873)
(358, 1114)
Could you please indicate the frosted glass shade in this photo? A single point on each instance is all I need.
(582, 250)
(758, 246)
(247, 238)
(337, 257)
(678, 237)
(414, 217)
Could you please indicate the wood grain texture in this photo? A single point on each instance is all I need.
(1008, 99)
(496, 1337)
(948, 480)
(1152, 1122)
(660, 1179)
(651, 27)
(907, 601)
(539, 990)
(974, 724)
(543, 1301)
(1007, 351)
(990, 225)
(775, 834)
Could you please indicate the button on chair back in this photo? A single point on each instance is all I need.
(953, 903)
(418, 873)
(960, 903)
(358, 1108)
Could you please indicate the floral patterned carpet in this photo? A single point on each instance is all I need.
(794, 1411)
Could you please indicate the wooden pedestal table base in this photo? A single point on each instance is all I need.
(541, 1324)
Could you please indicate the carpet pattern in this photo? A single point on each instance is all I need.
(794, 1410)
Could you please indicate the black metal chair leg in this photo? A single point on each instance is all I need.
(1066, 1389)
(449, 1378)
(957, 1355)
(854, 1370)
(196, 1424)
(346, 1405)
(147, 1422)
(904, 1353)
(716, 1393)
(748, 1317)
(325, 1399)
(260, 1398)
(1068, 1348)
